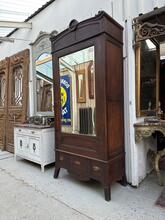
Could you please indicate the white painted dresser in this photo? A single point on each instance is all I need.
(35, 143)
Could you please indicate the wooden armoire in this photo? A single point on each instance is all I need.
(88, 100)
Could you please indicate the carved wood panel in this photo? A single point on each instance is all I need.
(17, 94)
(4, 68)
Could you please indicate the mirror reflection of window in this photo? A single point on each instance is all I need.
(148, 75)
(44, 83)
(77, 78)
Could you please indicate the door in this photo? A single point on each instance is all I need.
(17, 94)
(4, 67)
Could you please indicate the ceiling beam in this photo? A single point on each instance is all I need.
(12, 12)
(6, 39)
(15, 24)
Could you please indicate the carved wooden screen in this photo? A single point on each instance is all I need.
(17, 94)
(4, 64)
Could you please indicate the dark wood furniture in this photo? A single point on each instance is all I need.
(101, 156)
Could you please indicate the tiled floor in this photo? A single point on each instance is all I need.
(26, 193)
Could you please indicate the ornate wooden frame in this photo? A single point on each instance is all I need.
(140, 112)
(91, 89)
(39, 46)
(81, 99)
(148, 30)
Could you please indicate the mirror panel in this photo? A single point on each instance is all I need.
(78, 101)
(147, 78)
(42, 77)
(44, 83)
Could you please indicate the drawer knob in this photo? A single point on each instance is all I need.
(96, 168)
(77, 162)
(33, 132)
(20, 143)
(19, 130)
(61, 158)
(34, 147)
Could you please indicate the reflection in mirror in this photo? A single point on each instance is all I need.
(77, 78)
(148, 76)
(44, 83)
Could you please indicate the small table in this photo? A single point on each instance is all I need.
(146, 129)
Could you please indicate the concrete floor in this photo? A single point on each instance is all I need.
(26, 193)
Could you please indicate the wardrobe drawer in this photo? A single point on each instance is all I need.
(64, 160)
(79, 165)
(96, 169)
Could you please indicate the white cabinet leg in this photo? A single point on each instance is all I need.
(42, 168)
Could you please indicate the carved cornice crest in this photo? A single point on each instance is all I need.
(3, 65)
(19, 57)
(148, 30)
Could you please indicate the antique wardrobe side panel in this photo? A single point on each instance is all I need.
(4, 64)
(18, 94)
(115, 115)
(115, 98)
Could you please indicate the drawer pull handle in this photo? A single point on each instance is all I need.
(20, 143)
(34, 147)
(27, 146)
(77, 162)
(61, 158)
(33, 132)
(19, 130)
(96, 168)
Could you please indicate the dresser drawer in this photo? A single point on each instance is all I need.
(34, 132)
(21, 131)
(25, 131)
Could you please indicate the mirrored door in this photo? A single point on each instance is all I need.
(78, 101)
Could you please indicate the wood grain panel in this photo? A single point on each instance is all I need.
(115, 127)
(4, 64)
(17, 113)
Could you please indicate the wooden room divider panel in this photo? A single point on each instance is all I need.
(13, 96)
(17, 94)
(4, 69)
